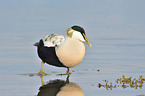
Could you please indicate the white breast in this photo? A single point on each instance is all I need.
(71, 52)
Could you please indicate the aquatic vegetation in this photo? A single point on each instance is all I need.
(124, 83)
(140, 95)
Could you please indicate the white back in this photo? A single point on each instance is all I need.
(53, 40)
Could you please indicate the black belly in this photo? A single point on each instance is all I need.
(48, 55)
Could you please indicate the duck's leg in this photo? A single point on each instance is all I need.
(68, 71)
(41, 80)
(41, 70)
(67, 79)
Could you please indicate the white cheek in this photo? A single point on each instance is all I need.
(78, 35)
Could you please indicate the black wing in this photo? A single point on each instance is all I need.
(48, 55)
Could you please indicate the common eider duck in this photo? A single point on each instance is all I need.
(61, 51)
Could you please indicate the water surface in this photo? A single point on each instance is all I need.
(115, 28)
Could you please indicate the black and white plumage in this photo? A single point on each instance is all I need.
(61, 51)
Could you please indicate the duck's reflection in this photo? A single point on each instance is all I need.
(59, 87)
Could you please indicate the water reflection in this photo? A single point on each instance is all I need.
(59, 87)
(124, 83)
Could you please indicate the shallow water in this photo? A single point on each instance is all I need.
(114, 28)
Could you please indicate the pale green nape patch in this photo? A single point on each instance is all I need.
(69, 32)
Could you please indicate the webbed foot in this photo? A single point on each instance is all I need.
(41, 73)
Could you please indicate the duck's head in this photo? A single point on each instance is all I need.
(77, 32)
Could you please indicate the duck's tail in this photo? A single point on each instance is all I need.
(36, 44)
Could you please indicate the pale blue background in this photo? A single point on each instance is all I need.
(115, 28)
